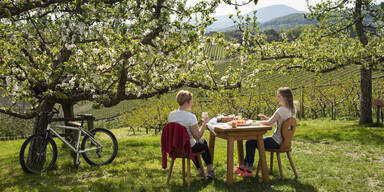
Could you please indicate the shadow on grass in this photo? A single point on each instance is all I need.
(28, 182)
(137, 168)
(363, 134)
(255, 184)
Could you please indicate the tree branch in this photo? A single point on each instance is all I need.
(19, 7)
(229, 2)
(19, 115)
(338, 30)
(13, 9)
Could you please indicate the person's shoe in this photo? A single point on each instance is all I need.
(245, 173)
(238, 170)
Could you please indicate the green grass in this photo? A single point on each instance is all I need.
(329, 156)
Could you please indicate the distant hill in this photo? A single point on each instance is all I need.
(286, 22)
(263, 15)
(279, 23)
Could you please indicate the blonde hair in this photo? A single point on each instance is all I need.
(183, 96)
(288, 97)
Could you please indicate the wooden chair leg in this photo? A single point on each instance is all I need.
(183, 170)
(201, 166)
(279, 162)
(291, 162)
(189, 171)
(271, 171)
(170, 171)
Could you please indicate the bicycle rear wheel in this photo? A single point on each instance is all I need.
(108, 147)
(38, 154)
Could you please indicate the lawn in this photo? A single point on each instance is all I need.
(329, 156)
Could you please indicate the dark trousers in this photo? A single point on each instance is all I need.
(250, 148)
(202, 146)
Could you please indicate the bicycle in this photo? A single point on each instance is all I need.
(39, 152)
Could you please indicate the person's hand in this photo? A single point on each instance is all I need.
(206, 119)
(262, 116)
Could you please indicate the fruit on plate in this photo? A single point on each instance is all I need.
(241, 122)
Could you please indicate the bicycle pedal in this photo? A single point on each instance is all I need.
(76, 164)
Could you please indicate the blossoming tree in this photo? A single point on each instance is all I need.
(349, 33)
(66, 51)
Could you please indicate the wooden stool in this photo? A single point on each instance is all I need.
(184, 156)
(288, 129)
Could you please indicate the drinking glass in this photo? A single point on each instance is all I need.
(204, 114)
(239, 116)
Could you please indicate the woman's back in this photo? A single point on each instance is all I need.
(186, 119)
(284, 114)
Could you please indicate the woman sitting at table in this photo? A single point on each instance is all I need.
(287, 110)
(189, 121)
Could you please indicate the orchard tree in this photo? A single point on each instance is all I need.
(66, 51)
(348, 33)
(62, 51)
(355, 30)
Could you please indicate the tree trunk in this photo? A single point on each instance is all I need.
(366, 71)
(40, 126)
(70, 135)
(366, 96)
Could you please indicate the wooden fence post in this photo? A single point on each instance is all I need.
(90, 122)
(158, 129)
(378, 114)
(302, 102)
(379, 103)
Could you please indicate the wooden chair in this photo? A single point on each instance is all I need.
(184, 156)
(287, 130)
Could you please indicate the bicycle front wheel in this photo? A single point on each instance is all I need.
(38, 154)
(102, 150)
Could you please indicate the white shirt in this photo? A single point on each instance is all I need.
(186, 119)
(284, 114)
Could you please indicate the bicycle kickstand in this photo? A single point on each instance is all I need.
(77, 162)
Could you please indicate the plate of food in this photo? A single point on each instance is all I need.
(241, 122)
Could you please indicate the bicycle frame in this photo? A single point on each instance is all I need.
(80, 130)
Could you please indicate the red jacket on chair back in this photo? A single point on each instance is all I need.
(173, 136)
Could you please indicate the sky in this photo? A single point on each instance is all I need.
(300, 5)
(224, 9)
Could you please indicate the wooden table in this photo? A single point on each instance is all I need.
(254, 132)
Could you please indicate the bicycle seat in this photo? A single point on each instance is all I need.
(74, 124)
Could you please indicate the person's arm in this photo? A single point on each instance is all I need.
(198, 133)
(271, 120)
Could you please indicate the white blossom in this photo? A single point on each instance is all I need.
(70, 46)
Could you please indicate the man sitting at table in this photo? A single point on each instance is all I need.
(189, 121)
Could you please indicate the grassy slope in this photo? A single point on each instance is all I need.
(329, 156)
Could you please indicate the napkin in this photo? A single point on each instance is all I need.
(211, 123)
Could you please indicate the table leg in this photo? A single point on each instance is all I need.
(212, 145)
(264, 169)
(230, 143)
(240, 151)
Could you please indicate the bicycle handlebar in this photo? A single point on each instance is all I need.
(51, 113)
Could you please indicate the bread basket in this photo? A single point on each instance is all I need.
(225, 119)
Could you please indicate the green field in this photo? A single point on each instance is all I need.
(328, 155)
